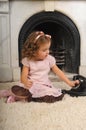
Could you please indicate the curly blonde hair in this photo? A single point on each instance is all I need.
(33, 43)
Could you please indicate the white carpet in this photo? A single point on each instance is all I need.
(68, 114)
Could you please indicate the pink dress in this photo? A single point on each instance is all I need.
(39, 70)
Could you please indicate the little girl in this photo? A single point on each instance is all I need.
(34, 76)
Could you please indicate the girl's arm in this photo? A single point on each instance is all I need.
(62, 76)
(24, 77)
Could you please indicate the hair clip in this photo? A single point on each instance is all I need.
(48, 35)
(41, 34)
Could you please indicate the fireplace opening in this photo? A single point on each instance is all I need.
(65, 45)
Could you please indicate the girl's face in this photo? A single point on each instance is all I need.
(43, 51)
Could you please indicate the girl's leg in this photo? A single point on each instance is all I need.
(5, 93)
(48, 99)
(11, 99)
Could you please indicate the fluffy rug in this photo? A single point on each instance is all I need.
(68, 114)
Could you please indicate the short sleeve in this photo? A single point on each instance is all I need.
(25, 62)
(52, 61)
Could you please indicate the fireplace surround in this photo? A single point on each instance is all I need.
(59, 18)
(65, 36)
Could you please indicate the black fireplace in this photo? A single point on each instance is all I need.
(65, 45)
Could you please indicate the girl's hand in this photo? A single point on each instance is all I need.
(25, 77)
(28, 83)
(74, 83)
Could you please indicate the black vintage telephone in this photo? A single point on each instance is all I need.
(78, 90)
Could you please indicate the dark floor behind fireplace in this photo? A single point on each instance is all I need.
(65, 45)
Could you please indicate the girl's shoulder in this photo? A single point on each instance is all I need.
(25, 61)
(50, 57)
(51, 60)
